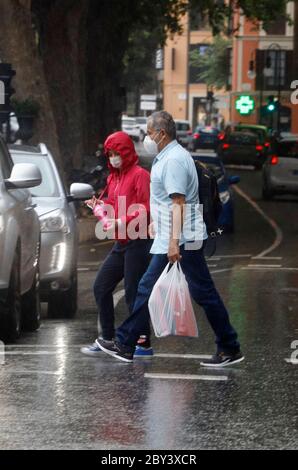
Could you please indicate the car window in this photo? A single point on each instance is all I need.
(242, 139)
(287, 149)
(258, 132)
(180, 126)
(5, 162)
(49, 186)
(141, 120)
(208, 130)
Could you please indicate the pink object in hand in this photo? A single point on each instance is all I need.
(101, 214)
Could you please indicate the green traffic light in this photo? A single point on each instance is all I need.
(271, 107)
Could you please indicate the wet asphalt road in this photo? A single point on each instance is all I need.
(53, 397)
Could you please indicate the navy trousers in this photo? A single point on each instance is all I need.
(125, 261)
(202, 290)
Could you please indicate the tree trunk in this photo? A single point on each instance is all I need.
(62, 30)
(107, 42)
(18, 46)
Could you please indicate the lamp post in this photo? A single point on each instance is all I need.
(269, 72)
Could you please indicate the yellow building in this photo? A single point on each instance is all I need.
(183, 96)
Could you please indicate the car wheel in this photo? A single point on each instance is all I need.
(64, 304)
(10, 321)
(31, 309)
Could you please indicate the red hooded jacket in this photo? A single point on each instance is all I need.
(131, 182)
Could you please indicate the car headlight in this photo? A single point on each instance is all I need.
(224, 196)
(54, 221)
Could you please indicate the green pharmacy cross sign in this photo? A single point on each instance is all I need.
(245, 104)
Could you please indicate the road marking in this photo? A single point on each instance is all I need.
(83, 269)
(221, 270)
(28, 372)
(186, 377)
(264, 266)
(33, 353)
(183, 356)
(232, 256)
(276, 228)
(261, 258)
(212, 265)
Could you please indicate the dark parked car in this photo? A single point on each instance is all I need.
(215, 164)
(242, 148)
(205, 138)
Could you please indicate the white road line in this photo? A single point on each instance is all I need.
(261, 258)
(231, 256)
(83, 269)
(276, 228)
(183, 356)
(264, 266)
(219, 378)
(221, 270)
(212, 265)
(28, 372)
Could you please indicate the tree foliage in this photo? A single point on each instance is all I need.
(213, 64)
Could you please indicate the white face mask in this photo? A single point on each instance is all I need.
(116, 162)
(150, 145)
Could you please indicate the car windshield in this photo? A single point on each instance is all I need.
(49, 186)
(181, 126)
(258, 132)
(242, 139)
(141, 120)
(207, 130)
(287, 149)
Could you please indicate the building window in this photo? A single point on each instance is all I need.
(196, 70)
(281, 64)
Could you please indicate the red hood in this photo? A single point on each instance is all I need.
(121, 142)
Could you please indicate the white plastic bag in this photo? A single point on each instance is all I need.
(170, 305)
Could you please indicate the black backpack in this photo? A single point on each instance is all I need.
(209, 197)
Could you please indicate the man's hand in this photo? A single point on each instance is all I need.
(174, 251)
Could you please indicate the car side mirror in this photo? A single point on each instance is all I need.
(24, 175)
(80, 192)
(234, 179)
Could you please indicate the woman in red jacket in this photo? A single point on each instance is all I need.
(128, 195)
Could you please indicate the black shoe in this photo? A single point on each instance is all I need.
(115, 349)
(222, 359)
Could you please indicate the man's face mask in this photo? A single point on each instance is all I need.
(150, 145)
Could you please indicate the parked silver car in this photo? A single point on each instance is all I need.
(59, 233)
(19, 248)
(280, 171)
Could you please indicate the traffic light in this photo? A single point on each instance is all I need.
(6, 90)
(271, 104)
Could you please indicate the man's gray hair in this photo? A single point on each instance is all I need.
(163, 120)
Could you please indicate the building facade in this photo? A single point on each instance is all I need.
(261, 64)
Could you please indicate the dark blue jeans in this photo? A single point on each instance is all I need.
(202, 290)
(128, 261)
